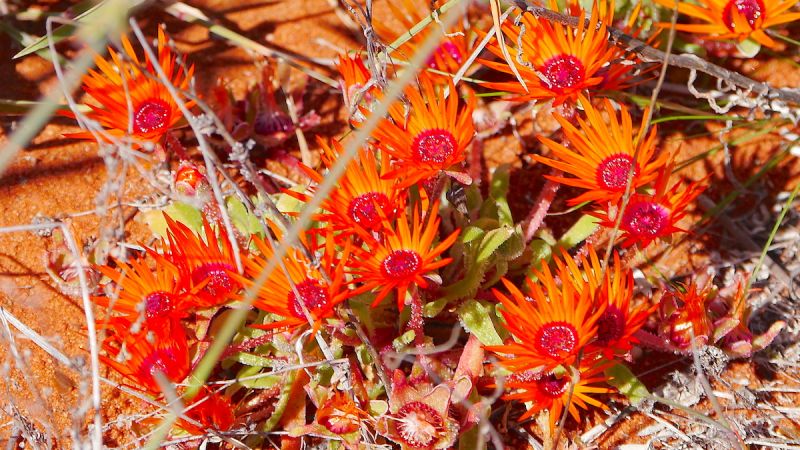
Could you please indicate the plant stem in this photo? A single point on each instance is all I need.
(541, 206)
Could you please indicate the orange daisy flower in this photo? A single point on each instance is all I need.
(354, 80)
(142, 293)
(454, 47)
(432, 138)
(205, 264)
(563, 61)
(552, 326)
(318, 293)
(546, 390)
(364, 195)
(649, 217)
(601, 154)
(139, 356)
(734, 19)
(152, 110)
(612, 290)
(404, 256)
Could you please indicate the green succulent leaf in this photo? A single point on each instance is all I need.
(245, 221)
(578, 233)
(178, 211)
(283, 401)
(748, 48)
(513, 247)
(268, 381)
(492, 241)
(477, 319)
(621, 377)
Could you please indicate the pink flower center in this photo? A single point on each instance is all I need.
(401, 264)
(610, 325)
(419, 425)
(552, 386)
(364, 209)
(313, 295)
(435, 146)
(446, 48)
(219, 283)
(157, 304)
(752, 10)
(645, 219)
(556, 339)
(612, 173)
(151, 115)
(563, 72)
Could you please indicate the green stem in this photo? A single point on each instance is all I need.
(772, 234)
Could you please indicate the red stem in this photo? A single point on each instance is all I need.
(172, 144)
(416, 321)
(541, 206)
(650, 340)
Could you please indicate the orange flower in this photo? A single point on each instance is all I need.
(552, 327)
(140, 356)
(318, 292)
(734, 19)
(142, 293)
(562, 61)
(601, 154)
(403, 257)
(546, 390)
(213, 410)
(205, 264)
(152, 110)
(649, 217)
(364, 195)
(354, 80)
(429, 140)
(454, 47)
(612, 291)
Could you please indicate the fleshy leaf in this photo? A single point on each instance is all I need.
(749, 48)
(471, 233)
(762, 341)
(498, 192)
(492, 241)
(267, 381)
(403, 340)
(242, 219)
(283, 400)
(581, 230)
(477, 320)
(627, 384)
(513, 247)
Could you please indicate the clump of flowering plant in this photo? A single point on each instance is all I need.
(385, 293)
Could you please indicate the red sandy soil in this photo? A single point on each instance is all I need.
(55, 178)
